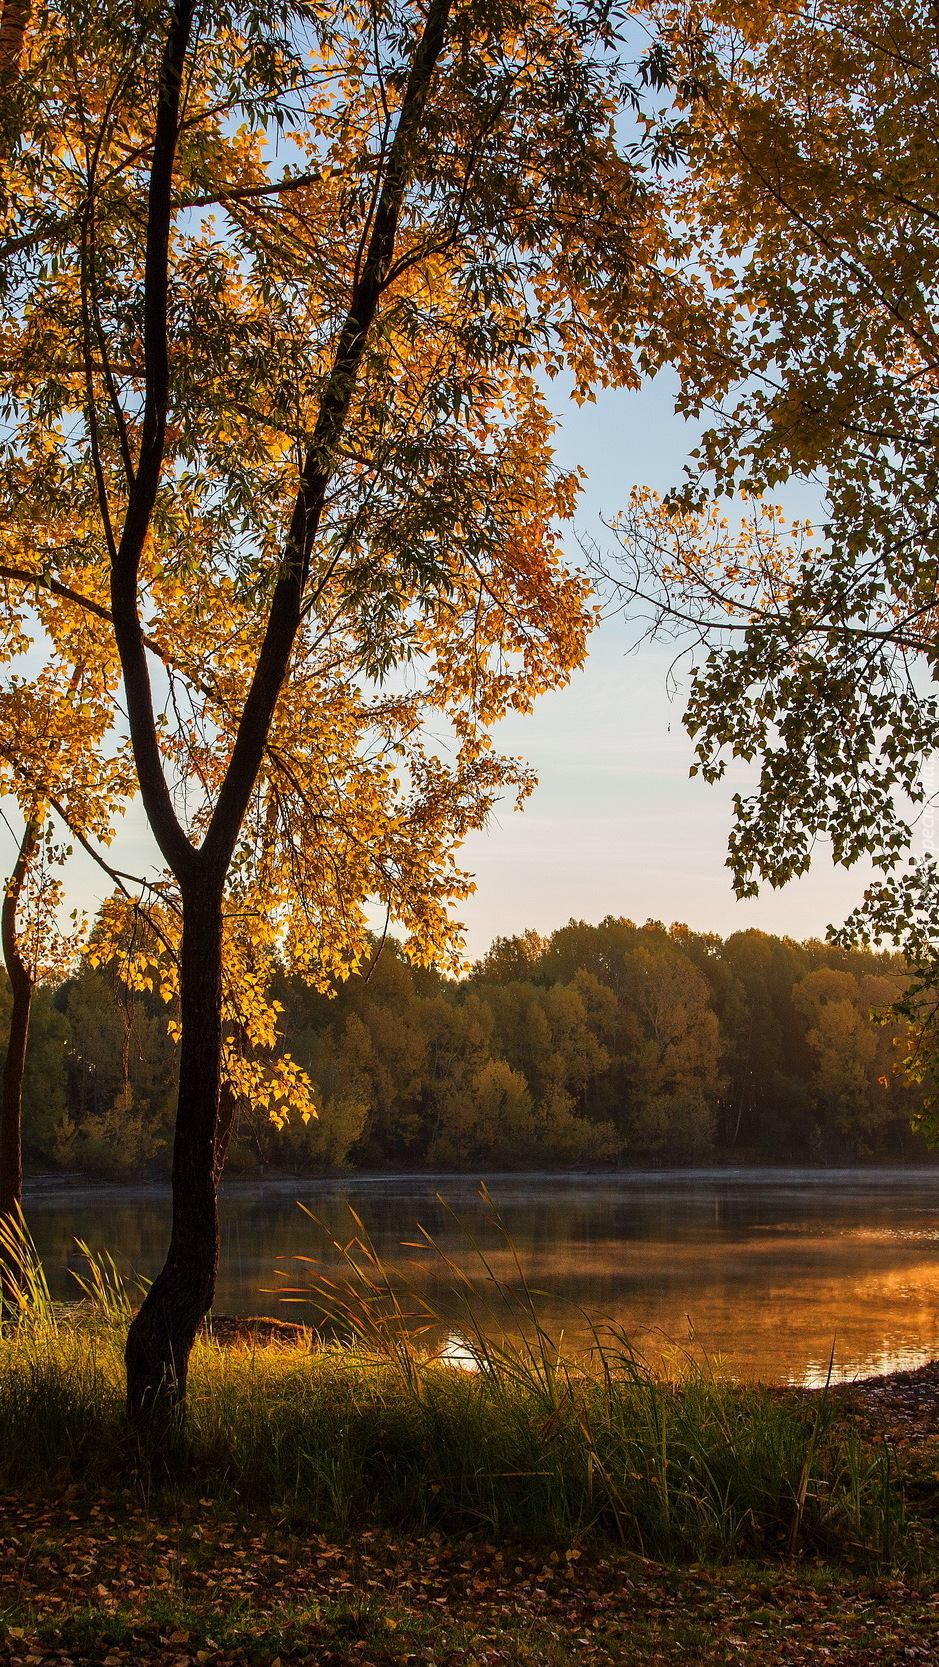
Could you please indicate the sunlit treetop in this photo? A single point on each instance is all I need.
(530, 246)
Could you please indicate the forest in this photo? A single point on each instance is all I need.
(596, 1046)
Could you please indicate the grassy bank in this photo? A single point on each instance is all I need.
(385, 1509)
(527, 1446)
(381, 1430)
(367, 1501)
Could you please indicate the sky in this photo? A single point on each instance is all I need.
(615, 826)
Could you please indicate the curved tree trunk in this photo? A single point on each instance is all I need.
(11, 1120)
(163, 1332)
(22, 983)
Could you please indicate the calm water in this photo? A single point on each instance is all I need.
(769, 1267)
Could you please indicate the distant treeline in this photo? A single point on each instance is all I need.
(601, 1045)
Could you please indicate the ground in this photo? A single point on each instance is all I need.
(131, 1579)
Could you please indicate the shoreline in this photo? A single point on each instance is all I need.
(80, 1183)
(909, 1393)
(691, 1206)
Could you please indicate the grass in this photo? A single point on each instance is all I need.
(377, 1430)
(367, 1504)
(693, 1469)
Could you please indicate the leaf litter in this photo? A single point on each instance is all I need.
(108, 1582)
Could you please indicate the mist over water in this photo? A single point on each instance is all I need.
(760, 1270)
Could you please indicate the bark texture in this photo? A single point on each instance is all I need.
(22, 983)
(163, 1332)
(11, 1124)
(13, 22)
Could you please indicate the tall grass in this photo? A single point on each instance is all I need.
(376, 1427)
(25, 1297)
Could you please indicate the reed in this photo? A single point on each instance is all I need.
(376, 1427)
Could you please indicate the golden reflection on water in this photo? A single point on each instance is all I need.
(752, 1315)
(760, 1273)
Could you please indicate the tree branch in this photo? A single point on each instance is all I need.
(245, 193)
(287, 601)
(118, 875)
(168, 831)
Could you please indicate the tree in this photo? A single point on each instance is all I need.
(547, 1038)
(856, 1098)
(486, 1119)
(313, 450)
(675, 1054)
(26, 955)
(810, 139)
(768, 1106)
(52, 757)
(616, 1035)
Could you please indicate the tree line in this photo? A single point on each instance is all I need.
(599, 1045)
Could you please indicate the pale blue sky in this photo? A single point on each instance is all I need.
(616, 826)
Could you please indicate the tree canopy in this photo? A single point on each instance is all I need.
(806, 196)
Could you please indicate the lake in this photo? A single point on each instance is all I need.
(765, 1269)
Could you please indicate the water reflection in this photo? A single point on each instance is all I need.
(457, 1352)
(759, 1269)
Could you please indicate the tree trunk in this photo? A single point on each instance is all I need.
(162, 1334)
(12, 1277)
(11, 1118)
(22, 982)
